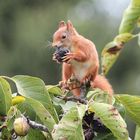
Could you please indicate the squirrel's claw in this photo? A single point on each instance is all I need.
(68, 57)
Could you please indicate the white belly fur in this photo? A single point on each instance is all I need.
(80, 69)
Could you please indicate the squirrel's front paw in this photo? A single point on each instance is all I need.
(73, 84)
(63, 84)
(70, 84)
(69, 56)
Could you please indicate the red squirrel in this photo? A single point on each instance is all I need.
(81, 62)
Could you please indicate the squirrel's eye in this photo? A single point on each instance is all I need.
(64, 36)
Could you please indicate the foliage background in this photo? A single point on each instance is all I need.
(26, 26)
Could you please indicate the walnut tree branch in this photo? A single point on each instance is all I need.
(72, 98)
(36, 125)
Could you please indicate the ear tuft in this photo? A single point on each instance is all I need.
(69, 25)
(61, 24)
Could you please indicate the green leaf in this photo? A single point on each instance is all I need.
(109, 55)
(10, 118)
(120, 107)
(111, 118)
(11, 115)
(34, 135)
(5, 96)
(42, 113)
(137, 133)
(35, 88)
(130, 17)
(5, 134)
(104, 136)
(54, 90)
(138, 22)
(101, 96)
(93, 92)
(132, 106)
(27, 110)
(68, 105)
(70, 126)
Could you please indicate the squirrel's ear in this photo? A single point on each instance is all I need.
(69, 25)
(70, 28)
(61, 24)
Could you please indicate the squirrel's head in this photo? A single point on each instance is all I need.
(62, 37)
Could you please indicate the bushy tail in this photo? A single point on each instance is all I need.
(102, 83)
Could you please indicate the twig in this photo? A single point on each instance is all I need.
(35, 125)
(72, 98)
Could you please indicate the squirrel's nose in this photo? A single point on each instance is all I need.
(58, 45)
(55, 46)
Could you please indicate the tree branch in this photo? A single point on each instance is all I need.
(36, 125)
(72, 98)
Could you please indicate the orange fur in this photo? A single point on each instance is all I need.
(82, 62)
(102, 83)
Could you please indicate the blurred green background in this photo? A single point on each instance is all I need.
(26, 26)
